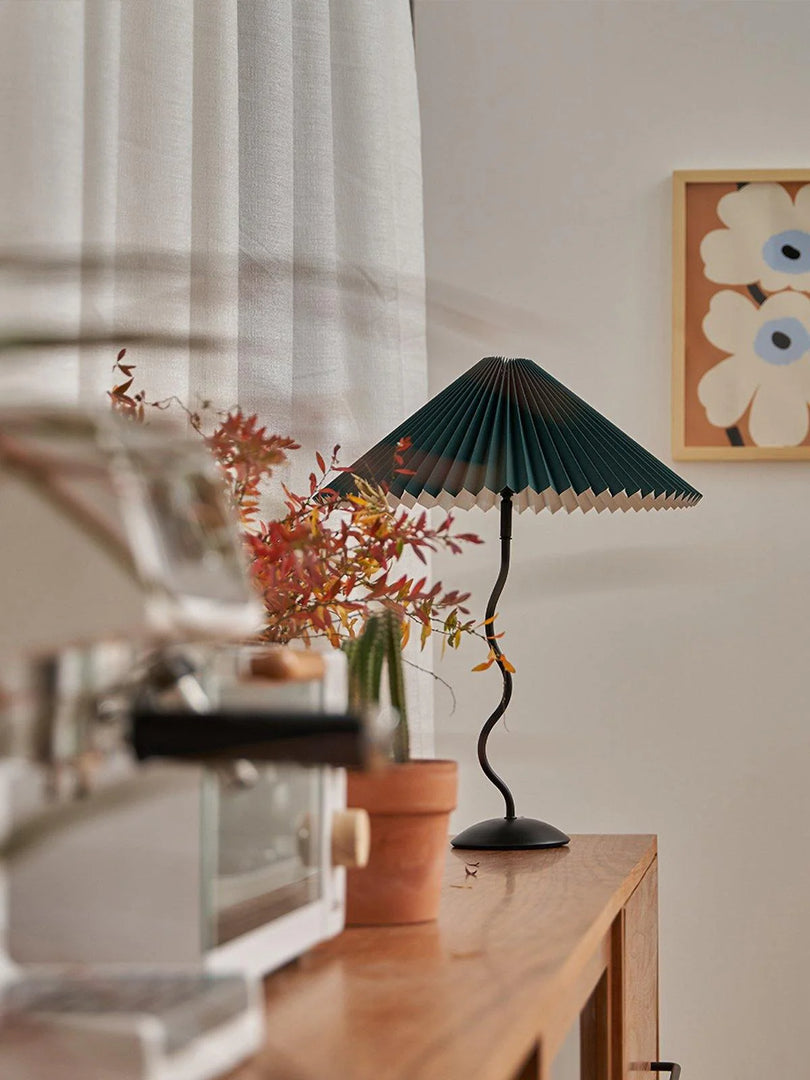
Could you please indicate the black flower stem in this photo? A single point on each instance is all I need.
(735, 436)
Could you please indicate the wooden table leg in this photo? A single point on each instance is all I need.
(594, 1033)
(640, 978)
(532, 1067)
(619, 1024)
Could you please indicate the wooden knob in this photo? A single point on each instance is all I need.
(284, 664)
(351, 838)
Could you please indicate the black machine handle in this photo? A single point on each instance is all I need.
(672, 1067)
(304, 738)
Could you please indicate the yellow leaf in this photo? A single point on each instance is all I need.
(406, 632)
(426, 632)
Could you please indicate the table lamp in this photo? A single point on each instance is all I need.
(506, 432)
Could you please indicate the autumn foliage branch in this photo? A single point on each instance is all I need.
(324, 566)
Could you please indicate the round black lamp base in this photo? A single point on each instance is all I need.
(510, 834)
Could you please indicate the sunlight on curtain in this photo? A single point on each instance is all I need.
(268, 152)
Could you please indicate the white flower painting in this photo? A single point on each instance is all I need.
(766, 239)
(768, 366)
(744, 272)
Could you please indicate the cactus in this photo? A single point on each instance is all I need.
(380, 645)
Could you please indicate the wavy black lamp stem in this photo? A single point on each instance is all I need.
(509, 832)
(506, 545)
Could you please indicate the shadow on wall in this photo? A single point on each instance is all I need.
(496, 327)
(635, 568)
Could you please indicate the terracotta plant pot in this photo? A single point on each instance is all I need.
(409, 805)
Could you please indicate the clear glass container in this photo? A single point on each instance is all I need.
(262, 848)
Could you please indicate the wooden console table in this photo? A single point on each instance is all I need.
(527, 943)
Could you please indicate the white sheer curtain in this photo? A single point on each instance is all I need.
(272, 148)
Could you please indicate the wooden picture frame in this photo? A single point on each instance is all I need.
(731, 353)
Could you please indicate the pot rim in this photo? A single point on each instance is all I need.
(422, 786)
(387, 765)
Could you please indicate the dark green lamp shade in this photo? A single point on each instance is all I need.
(508, 425)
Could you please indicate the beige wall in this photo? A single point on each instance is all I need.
(662, 673)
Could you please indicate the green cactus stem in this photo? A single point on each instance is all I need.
(379, 646)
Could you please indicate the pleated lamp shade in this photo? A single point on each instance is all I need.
(506, 432)
(508, 424)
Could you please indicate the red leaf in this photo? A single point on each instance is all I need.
(321, 463)
(121, 355)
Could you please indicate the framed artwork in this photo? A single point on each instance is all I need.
(741, 315)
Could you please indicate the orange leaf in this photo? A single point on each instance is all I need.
(483, 667)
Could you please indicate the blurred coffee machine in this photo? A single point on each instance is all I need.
(154, 810)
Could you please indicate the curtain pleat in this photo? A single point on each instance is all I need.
(99, 176)
(319, 360)
(266, 210)
(214, 300)
(155, 152)
(41, 135)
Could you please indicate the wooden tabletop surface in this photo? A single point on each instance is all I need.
(466, 996)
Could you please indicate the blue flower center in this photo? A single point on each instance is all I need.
(788, 252)
(782, 341)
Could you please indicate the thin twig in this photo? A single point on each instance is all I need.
(438, 678)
